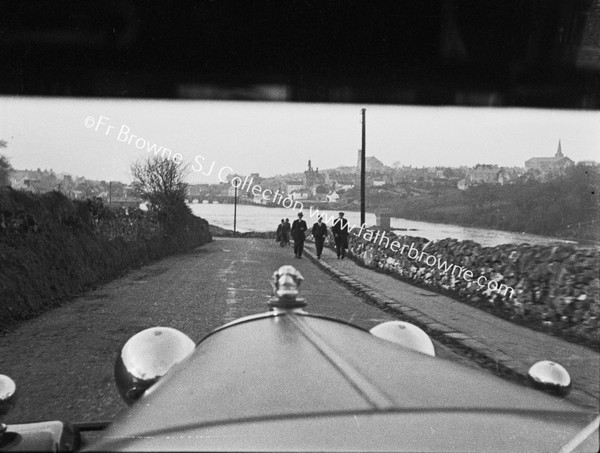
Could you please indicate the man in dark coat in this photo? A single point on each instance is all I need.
(319, 232)
(287, 228)
(298, 229)
(279, 234)
(340, 234)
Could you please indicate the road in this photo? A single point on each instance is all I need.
(63, 360)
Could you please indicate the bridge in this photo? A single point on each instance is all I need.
(219, 199)
(210, 199)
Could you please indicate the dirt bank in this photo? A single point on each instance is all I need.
(52, 248)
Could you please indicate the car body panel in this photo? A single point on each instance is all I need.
(381, 431)
(304, 382)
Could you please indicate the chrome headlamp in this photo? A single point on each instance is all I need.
(146, 357)
(550, 377)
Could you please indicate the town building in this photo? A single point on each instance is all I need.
(293, 185)
(299, 194)
(484, 174)
(333, 197)
(546, 167)
(343, 184)
(312, 179)
(196, 191)
(372, 164)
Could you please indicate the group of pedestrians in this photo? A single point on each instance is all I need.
(319, 232)
(283, 233)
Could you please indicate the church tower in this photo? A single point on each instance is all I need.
(559, 151)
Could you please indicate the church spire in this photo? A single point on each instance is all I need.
(559, 151)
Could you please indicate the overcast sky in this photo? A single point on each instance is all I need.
(66, 135)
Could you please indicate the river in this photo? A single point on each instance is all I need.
(258, 218)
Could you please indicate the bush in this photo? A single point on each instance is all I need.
(51, 248)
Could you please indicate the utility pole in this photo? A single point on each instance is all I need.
(234, 210)
(362, 166)
(110, 193)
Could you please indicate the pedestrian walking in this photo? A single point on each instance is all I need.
(319, 232)
(298, 234)
(340, 235)
(287, 228)
(279, 234)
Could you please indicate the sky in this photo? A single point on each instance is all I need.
(94, 137)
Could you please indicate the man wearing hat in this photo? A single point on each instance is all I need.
(298, 229)
(340, 234)
(319, 232)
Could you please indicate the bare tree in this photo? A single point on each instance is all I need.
(160, 181)
(5, 167)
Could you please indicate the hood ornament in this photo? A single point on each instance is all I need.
(285, 282)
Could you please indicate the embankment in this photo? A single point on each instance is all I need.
(216, 231)
(556, 288)
(52, 248)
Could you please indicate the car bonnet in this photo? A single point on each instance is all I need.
(293, 366)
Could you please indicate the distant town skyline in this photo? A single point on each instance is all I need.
(99, 138)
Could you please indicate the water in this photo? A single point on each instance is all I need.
(258, 218)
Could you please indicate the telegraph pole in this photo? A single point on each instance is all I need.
(234, 210)
(362, 166)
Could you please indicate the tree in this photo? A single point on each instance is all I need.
(5, 167)
(87, 189)
(160, 181)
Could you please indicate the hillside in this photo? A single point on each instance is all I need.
(567, 206)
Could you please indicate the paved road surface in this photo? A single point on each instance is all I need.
(63, 360)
